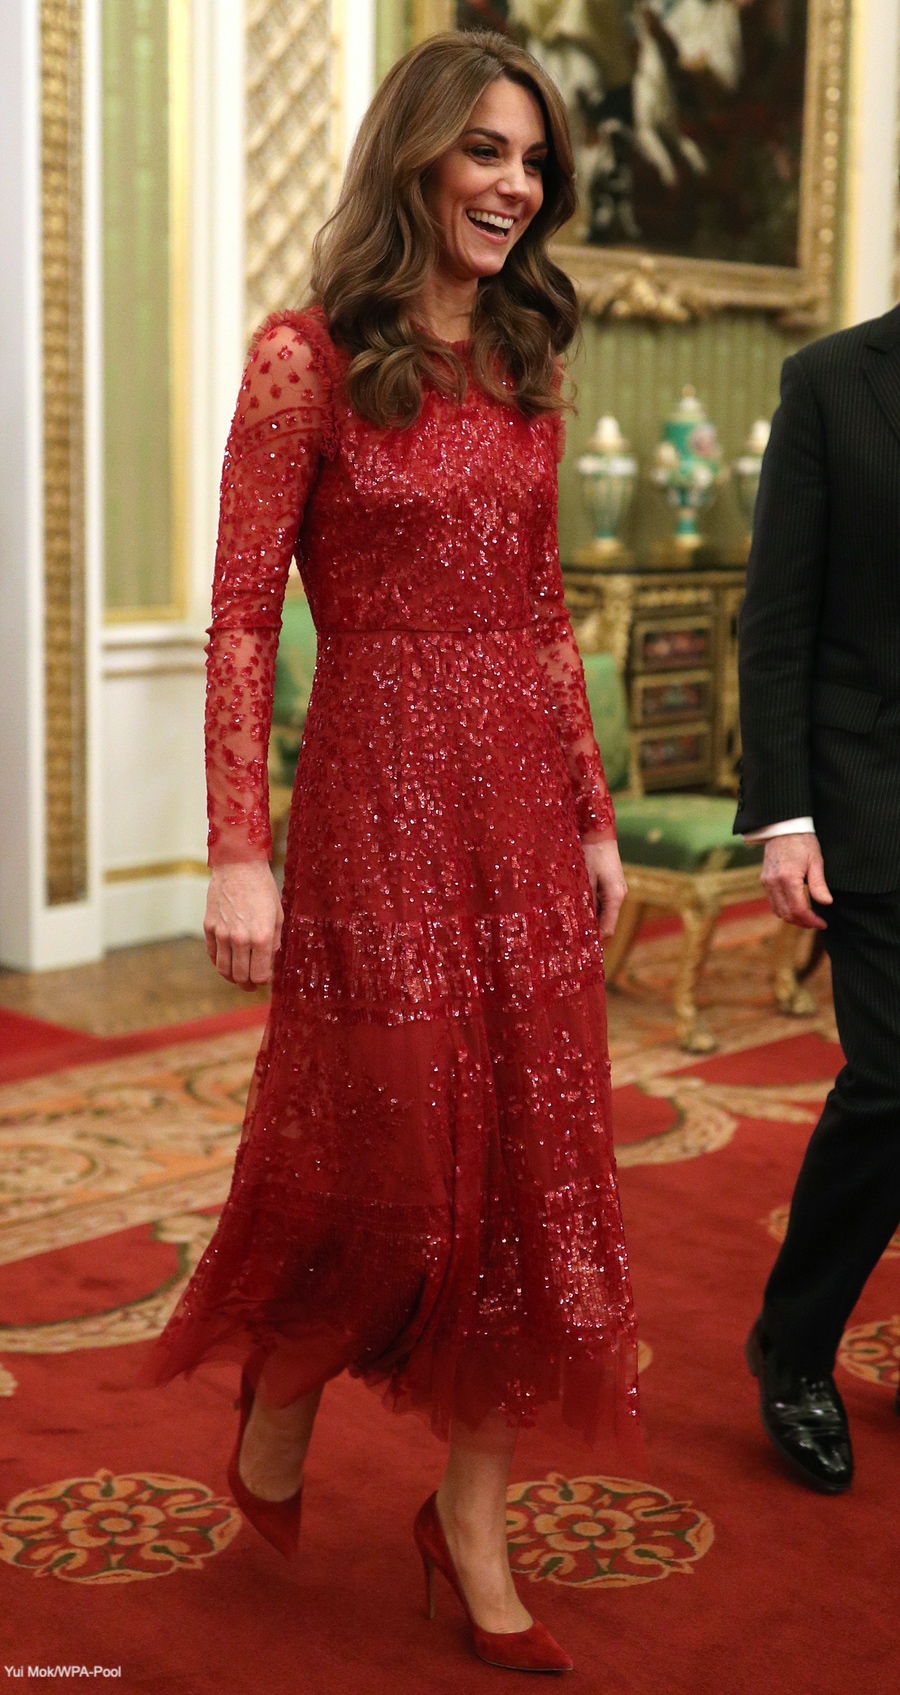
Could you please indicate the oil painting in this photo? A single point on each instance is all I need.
(707, 138)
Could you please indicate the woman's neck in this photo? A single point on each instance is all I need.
(446, 305)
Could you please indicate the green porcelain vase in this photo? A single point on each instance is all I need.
(688, 465)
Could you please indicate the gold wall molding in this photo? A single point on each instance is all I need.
(292, 165)
(63, 428)
(628, 283)
(431, 17)
(157, 868)
(624, 284)
(190, 668)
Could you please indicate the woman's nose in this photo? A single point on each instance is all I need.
(514, 180)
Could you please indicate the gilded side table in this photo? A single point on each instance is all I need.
(673, 634)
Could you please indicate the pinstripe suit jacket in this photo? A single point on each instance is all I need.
(820, 627)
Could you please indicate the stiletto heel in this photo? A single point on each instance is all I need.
(428, 1569)
(277, 1521)
(522, 1650)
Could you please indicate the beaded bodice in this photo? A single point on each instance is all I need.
(447, 527)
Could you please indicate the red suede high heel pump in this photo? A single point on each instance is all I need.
(522, 1650)
(277, 1521)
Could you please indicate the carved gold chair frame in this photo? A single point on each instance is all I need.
(698, 898)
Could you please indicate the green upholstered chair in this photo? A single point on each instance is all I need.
(294, 669)
(678, 852)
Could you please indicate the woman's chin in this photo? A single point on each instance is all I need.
(483, 265)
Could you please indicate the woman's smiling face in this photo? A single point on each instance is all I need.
(484, 191)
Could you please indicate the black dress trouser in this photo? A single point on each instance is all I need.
(846, 1205)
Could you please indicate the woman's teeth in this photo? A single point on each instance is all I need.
(493, 221)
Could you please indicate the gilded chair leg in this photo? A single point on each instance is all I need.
(699, 924)
(619, 946)
(791, 997)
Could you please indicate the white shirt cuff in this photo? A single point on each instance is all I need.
(788, 827)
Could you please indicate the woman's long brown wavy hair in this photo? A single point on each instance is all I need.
(371, 259)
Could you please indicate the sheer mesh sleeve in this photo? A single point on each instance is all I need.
(560, 660)
(276, 437)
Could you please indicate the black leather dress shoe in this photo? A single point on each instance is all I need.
(803, 1417)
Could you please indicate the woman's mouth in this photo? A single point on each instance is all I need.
(495, 226)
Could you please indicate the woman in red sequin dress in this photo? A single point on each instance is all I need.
(425, 1190)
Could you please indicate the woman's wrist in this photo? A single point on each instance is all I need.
(223, 867)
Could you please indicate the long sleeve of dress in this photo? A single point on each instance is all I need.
(560, 660)
(270, 464)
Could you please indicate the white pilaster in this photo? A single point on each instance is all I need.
(21, 527)
(871, 198)
(355, 29)
(34, 935)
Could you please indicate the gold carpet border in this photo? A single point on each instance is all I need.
(99, 1147)
(134, 1321)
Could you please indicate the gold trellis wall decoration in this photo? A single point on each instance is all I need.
(291, 145)
(64, 634)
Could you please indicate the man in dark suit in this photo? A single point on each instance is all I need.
(820, 721)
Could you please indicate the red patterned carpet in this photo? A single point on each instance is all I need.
(707, 1573)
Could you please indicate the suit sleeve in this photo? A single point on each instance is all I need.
(780, 616)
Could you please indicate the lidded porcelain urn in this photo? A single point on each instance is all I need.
(608, 472)
(747, 470)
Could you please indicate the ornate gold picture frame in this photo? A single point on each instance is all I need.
(628, 280)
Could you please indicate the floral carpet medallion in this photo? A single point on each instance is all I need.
(590, 1531)
(108, 1529)
(872, 1351)
(708, 1114)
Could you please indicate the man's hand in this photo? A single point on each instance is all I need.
(243, 923)
(608, 886)
(792, 871)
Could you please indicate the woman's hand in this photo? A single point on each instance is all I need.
(607, 880)
(243, 922)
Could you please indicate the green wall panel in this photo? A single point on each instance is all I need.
(136, 201)
(636, 371)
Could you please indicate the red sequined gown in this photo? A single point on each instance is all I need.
(425, 1190)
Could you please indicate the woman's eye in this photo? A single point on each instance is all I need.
(483, 152)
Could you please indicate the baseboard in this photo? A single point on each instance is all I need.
(151, 909)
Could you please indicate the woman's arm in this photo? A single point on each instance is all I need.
(270, 464)
(558, 655)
